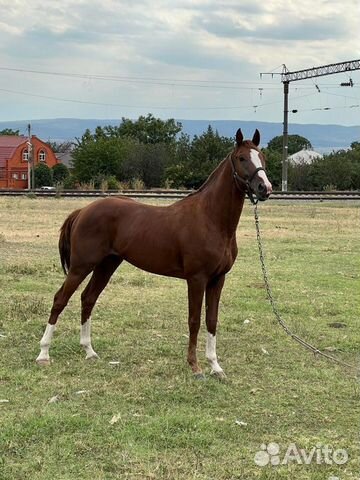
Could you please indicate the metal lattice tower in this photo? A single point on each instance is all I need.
(286, 78)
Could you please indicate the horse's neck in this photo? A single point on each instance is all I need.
(223, 200)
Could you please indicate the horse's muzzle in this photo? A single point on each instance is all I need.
(263, 191)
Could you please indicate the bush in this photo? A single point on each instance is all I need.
(43, 175)
(88, 186)
(60, 173)
(109, 183)
(137, 184)
(124, 185)
(112, 183)
(69, 183)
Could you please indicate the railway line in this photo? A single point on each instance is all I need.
(176, 194)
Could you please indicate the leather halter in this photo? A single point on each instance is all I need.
(245, 182)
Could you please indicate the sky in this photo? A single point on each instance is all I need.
(180, 59)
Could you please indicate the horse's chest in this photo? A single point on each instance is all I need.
(226, 258)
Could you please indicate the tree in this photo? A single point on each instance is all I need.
(354, 156)
(60, 147)
(338, 170)
(194, 161)
(60, 173)
(295, 144)
(273, 167)
(9, 131)
(148, 129)
(178, 173)
(98, 155)
(147, 162)
(42, 175)
(207, 151)
(301, 176)
(335, 171)
(140, 149)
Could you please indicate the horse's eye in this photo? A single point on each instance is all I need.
(242, 159)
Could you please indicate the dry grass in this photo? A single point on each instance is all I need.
(165, 424)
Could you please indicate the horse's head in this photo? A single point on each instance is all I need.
(249, 166)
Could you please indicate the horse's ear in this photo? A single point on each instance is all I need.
(256, 138)
(239, 137)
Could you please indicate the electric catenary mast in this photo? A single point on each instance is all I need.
(287, 77)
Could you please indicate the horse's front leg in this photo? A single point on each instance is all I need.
(213, 292)
(196, 289)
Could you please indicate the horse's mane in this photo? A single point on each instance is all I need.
(211, 177)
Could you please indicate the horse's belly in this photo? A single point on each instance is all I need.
(153, 260)
(159, 268)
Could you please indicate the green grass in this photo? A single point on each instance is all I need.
(147, 418)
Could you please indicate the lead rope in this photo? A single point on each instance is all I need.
(282, 323)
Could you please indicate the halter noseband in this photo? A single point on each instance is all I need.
(239, 180)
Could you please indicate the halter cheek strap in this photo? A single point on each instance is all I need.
(239, 180)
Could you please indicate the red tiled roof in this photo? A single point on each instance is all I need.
(12, 140)
(8, 145)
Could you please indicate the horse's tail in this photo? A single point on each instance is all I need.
(65, 242)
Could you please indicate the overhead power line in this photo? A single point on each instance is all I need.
(226, 84)
(169, 82)
(174, 107)
(150, 107)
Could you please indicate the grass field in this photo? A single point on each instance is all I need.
(146, 417)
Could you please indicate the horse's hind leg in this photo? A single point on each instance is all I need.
(100, 278)
(62, 296)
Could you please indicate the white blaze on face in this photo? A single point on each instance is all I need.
(255, 160)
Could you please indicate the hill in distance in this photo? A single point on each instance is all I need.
(323, 137)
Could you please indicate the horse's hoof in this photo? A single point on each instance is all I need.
(220, 375)
(199, 376)
(43, 362)
(93, 356)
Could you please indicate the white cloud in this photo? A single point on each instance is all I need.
(185, 40)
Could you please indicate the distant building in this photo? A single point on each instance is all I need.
(304, 156)
(14, 156)
(66, 158)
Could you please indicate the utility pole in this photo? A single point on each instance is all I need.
(29, 151)
(286, 78)
(285, 139)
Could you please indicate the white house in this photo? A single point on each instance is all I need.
(304, 156)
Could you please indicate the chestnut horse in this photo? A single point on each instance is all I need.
(193, 239)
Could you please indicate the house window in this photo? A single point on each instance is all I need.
(15, 176)
(24, 176)
(42, 156)
(25, 155)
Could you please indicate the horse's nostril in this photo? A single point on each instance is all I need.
(262, 188)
